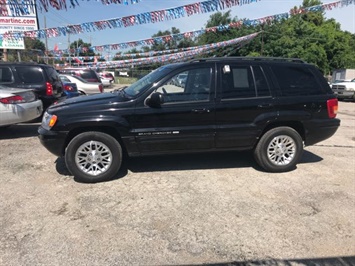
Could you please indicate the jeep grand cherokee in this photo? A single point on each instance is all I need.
(273, 106)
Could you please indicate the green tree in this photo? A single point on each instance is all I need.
(79, 48)
(34, 50)
(218, 35)
(308, 36)
(175, 42)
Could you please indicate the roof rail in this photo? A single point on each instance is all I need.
(248, 58)
(20, 63)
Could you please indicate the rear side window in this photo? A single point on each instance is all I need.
(30, 74)
(237, 82)
(262, 87)
(5, 75)
(296, 80)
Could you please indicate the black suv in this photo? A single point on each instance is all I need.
(272, 106)
(42, 79)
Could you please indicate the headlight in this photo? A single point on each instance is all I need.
(48, 121)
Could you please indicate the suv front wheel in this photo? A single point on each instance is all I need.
(279, 149)
(93, 157)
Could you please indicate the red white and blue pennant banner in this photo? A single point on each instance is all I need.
(133, 20)
(176, 57)
(16, 8)
(193, 34)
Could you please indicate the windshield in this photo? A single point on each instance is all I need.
(147, 81)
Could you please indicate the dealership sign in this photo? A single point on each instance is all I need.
(10, 23)
(12, 44)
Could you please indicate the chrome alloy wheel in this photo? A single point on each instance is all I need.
(281, 150)
(93, 158)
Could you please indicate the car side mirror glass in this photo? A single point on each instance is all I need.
(155, 100)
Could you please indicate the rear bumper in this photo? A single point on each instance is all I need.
(319, 130)
(53, 141)
(22, 112)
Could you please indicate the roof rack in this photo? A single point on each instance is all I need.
(247, 58)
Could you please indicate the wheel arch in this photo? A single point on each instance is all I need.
(296, 125)
(113, 132)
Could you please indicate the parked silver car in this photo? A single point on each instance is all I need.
(85, 87)
(18, 105)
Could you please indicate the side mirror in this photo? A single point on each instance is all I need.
(155, 100)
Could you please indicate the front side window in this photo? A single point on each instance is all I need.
(186, 86)
(237, 82)
(147, 81)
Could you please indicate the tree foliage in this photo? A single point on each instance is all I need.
(308, 36)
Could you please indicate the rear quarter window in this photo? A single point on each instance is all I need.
(29, 74)
(52, 74)
(5, 75)
(296, 80)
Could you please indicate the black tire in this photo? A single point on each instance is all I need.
(279, 149)
(93, 157)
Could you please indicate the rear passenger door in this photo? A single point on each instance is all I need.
(244, 105)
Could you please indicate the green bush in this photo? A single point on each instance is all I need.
(125, 80)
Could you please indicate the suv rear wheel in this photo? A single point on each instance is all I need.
(279, 149)
(93, 157)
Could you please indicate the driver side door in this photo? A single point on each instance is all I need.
(185, 118)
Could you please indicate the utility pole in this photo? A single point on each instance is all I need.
(5, 58)
(46, 40)
(262, 40)
(69, 49)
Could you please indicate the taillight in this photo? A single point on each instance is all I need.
(101, 88)
(12, 100)
(332, 105)
(49, 89)
(68, 88)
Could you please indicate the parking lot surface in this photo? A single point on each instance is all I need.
(178, 210)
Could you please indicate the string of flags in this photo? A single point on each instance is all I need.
(27, 7)
(176, 57)
(196, 33)
(128, 21)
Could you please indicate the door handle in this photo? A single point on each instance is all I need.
(200, 111)
(266, 105)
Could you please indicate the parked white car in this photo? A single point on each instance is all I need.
(18, 106)
(85, 87)
(344, 90)
(106, 82)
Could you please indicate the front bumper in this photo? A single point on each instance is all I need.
(53, 141)
(342, 94)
